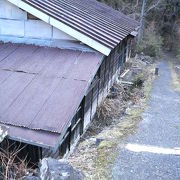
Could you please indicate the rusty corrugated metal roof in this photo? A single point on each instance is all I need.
(41, 88)
(39, 138)
(93, 19)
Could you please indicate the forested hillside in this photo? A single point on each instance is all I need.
(161, 22)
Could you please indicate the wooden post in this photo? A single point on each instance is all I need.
(156, 71)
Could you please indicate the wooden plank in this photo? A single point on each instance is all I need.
(94, 101)
(125, 72)
(126, 82)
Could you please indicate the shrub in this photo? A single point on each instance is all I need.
(150, 44)
(178, 54)
(177, 44)
(138, 82)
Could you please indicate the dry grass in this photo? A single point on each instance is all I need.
(107, 150)
(175, 77)
(111, 125)
(12, 167)
(175, 72)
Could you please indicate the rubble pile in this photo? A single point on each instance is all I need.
(136, 65)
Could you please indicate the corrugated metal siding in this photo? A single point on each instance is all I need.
(93, 19)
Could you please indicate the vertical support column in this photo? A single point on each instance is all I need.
(82, 121)
(87, 108)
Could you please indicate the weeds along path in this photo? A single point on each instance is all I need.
(117, 118)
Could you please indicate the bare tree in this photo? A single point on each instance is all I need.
(11, 166)
(153, 6)
(142, 21)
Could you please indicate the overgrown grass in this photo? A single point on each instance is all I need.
(96, 160)
(175, 78)
(108, 149)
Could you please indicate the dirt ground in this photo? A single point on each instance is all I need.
(116, 117)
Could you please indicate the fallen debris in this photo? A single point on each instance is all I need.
(126, 82)
(117, 116)
(178, 67)
(125, 72)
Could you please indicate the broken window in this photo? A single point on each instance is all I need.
(31, 17)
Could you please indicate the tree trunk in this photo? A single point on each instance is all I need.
(142, 21)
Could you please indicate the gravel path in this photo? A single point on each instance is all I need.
(154, 151)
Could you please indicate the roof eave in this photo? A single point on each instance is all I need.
(134, 33)
(63, 27)
(33, 143)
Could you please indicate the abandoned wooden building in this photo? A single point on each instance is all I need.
(58, 61)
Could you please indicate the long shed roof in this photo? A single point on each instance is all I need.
(89, 21)
(41, 89)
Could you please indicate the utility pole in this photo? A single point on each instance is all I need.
(141, 21)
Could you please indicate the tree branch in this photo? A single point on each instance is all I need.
(153, 6)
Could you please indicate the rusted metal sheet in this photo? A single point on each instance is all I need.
(11, 90)
(38, 60)
(39, 138)
(4, 75)
(6, 50)
(93, 19)
(79, 72)
(63, 62)
(15, 58)
(41, 89)
(61, 106)
(26, 107)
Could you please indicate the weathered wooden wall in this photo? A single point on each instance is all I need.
(107, 74)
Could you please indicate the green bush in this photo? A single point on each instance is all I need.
(150, 44)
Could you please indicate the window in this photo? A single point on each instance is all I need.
(31, 17)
